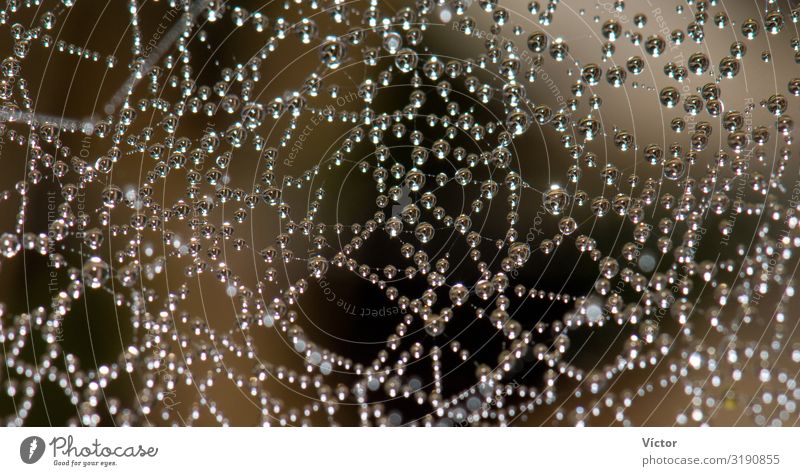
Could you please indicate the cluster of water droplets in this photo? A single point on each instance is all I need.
(563, 212)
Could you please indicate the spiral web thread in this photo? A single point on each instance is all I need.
(406, 213)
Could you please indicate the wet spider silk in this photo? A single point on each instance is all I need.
(425, 213)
